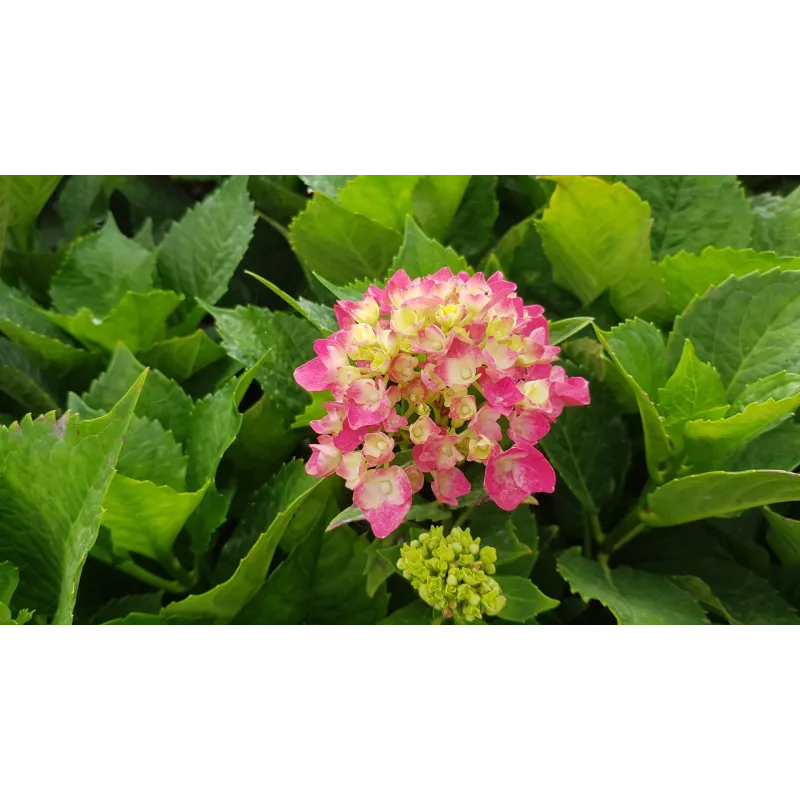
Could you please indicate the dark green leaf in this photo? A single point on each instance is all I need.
(776, 223)
(473, 226)
(524, 600)
(633, 596)
(183, 356)
(436, 200)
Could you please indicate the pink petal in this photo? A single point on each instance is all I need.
(513, 476)
(385, 498)
(485, 424)
(314, 376)
(449, 485)
(502, 395)
(527, 426)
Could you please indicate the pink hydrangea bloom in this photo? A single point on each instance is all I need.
(423, 372)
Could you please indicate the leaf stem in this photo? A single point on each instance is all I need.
(276, 225)
(630, 527)
(144, 575)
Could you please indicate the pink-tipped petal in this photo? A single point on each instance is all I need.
(513, 476)
(449, 485)
(527, 426)
(384, 495)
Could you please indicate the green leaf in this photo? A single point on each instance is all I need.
(83, 199)
(327, 184)
(22, 380)
(162, 399)
(522, 260)
(473, 225)
(339, 245)
(564, 328)
(524, 600)
(314, 410)
(633, 596)
(778, 448)
(415, 613)
(693, 390)
(776, 223)
(385, 199)
(27, 324)
(151, 453)
(9, 580)
(783, 537)
(248, 333)
(182, 356)
(353, 291)
(136, 321)
(597, 237)
(22, 197)
(221, 604)
(200, 253)
(54, 475)
(420, 256)
(692, 211)
(709, 443)
(590, 450)
(321, 582)
(716, 494)
(436, 201)
(100, 270)
(497, 528)
(276, 198)
(687, 275)
(748, 328)
(145, 518)
(636, 348)
(780, 386)
(321, 317)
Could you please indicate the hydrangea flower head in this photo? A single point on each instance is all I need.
(427, 368)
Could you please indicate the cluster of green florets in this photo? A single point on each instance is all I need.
(452, 573)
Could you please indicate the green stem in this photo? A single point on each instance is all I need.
(463, 517)
(630, 527)
(144, 575)
(276, 225)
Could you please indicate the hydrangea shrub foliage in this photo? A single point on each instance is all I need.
(399, 400)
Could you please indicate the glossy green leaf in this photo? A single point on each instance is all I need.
(693, 391)
(597, 237)
(22, 380)
(636, 348)
(22, 197)
(420, 255)
(385, 199)
(249, 333)
(200, 253)
(276, 197)
(54, 475)
(472, 229)
(564, 328)
(497, 528)
(748, 328)
(25, 323)
(181, 357)
(339, 245)
(415, 613)
(222, 603)
(524, 600)
(692, 211)
(715, 494)
(778, 448)
(688, 274)
(327, 184)
(708, 443)
(162, 399)
(633, 596)
(436, 201)
(145, 518)
(780, 386)
(136, 321)
(100, 270)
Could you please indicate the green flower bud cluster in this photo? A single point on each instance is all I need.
(453, 573)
